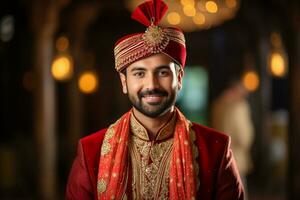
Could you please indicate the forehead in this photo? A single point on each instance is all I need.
(151, 62)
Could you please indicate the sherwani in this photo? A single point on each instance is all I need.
(217, 174)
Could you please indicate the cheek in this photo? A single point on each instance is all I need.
(133, 86)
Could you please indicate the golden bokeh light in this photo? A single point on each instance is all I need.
(199, 19)
(251, 81)
(88, 82)
(62, 43)
(62, 68)
(189, 10)
(215, 13)
(173, 18)
(187, 2)
(211, 6)
(277, 65)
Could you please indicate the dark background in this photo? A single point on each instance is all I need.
(92, 28)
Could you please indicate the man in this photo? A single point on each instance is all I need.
(231, 114)
(153, 151)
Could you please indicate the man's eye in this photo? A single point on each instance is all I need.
(139, 74)
(163, 73)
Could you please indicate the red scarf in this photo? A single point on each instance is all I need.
(113, 165)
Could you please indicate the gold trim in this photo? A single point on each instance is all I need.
(106, 147)
(195, 155)
(150, 168)
(154, 40)
(140, 131)
(101, 186)
(109, 133)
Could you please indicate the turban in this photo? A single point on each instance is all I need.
(156, 39)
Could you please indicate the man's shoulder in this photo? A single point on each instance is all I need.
(94, 140)
(94, 136)
(210, 135)
(212, 146)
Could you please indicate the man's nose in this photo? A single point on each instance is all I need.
(152, 82)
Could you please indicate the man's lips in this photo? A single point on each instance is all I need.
(153, 98)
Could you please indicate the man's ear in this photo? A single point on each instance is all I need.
(123, 82)
(180, 75)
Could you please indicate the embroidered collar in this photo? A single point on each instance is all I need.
(140, 131)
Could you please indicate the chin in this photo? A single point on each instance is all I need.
(161, 113)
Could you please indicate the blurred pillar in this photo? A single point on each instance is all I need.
(44, 22)
(293, 38)
(264, 108)
(79, 20)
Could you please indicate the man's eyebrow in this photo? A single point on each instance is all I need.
(137, 69)
(163, 67)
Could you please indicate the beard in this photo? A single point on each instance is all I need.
(153, 109)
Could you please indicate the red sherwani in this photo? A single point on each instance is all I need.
(218, 175)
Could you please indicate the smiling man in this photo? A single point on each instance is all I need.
(152, 84)
(153, 151)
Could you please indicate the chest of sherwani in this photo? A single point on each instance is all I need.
(150, 160)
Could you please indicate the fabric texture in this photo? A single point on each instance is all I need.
(218, 173)
(113, 165)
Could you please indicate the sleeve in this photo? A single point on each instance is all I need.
(79, 186)
(229, 184)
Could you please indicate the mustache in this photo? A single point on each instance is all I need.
(152, 92)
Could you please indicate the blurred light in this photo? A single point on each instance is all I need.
(62, 43)
(62, 68)
(187, 2)
(7, 28)
(215, 12)
(231, 3)
(276, 40)
(189, 10)
(199, 19)
(251, 81)
(277, 65)
(211, 6)
(28, 81)
(173, 18)
(88, 82)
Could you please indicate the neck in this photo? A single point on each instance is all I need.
(153, 125)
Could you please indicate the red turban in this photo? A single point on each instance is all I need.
(155, 39)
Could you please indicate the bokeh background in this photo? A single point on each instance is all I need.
(58, 83)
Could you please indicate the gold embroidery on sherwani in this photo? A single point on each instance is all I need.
(150, 161)
(105, 148)
(101, 186)
(195, 155)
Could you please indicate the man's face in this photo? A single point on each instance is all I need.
(152, 84)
